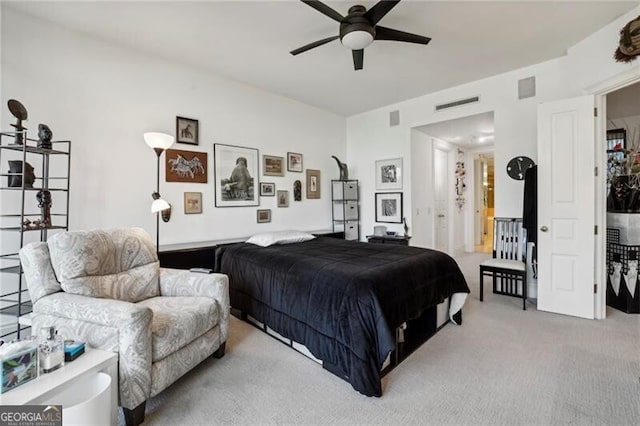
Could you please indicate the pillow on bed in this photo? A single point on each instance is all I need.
(281, 237)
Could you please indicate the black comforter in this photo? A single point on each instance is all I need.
(341, 299)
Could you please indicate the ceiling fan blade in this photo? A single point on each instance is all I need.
(314, 44)
(358, 59)
(377, 12)
(324, 9)
(383, 33)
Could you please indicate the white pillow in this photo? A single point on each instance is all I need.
(280, 237)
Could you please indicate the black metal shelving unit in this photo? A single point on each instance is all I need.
(346, 208)
(18, 205)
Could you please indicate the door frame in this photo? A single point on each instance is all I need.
(600, 91)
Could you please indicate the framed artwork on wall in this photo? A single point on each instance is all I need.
(272, 165)
(283, 198)
(235, 171)
(294, 162)
(192, 202)
(185, 166)
(267, 189)
(187, 130)
(389, 207)
(389, 174)
(263, 216)
(313, 183)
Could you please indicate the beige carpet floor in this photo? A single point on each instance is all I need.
(502, 366)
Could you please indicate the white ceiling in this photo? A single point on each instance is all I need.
(474, 131)
(249, 41)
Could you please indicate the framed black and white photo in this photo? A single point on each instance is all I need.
(313, 183)
(263, 216)
(283, 198)
(267, 189)
(389, 174)
(272, 165)
(389, 207)
(294, 162)
(192, 202)
(235, 171)
(187, 130)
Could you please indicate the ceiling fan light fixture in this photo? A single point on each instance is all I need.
(357, 40)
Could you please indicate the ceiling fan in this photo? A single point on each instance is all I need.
(359, 28)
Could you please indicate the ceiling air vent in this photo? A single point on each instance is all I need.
(458, 103)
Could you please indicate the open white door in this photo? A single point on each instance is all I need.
(566, 211)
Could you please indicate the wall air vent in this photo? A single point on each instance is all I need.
(458, 103)
(394, 118)
(526, 88)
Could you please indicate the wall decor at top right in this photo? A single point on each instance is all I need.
(389, 174)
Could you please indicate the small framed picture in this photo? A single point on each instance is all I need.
(263, 216)
(187, 130)
(389, 174)
(192, 202)
(313, 183)
(267, 189)
(272, 165)
(389, 207)
(283, 198)
(294, 162)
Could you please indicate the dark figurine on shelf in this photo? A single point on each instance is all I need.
(15, 175)
(44, 202)
(20, 112)
(406, 227)
(344, 170)
(44, 136)
(297, 191)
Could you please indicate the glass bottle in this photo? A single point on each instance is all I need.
(50, 350)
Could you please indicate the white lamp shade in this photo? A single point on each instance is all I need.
(357, 40)
(158, 140)
(159, 205)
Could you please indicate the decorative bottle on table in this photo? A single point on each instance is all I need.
(50, 350)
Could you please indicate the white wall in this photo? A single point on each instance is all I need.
(104, 97)
(369, 136)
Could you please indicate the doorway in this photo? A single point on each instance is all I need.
(622, 207)
(443, 195)
(483, 167)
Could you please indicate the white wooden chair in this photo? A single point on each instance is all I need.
(508, 265)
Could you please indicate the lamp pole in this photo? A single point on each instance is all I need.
(158, 154)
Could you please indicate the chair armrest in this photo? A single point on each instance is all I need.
(89, 318)
(109, 312)
(178, 282)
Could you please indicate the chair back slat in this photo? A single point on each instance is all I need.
(509, 239)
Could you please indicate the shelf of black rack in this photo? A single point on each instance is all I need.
(11, 269)
(18, 228)
(12, 188)
(27, 308)
(33, 149)
(30, 214)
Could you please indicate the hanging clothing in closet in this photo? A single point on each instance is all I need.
(530, 207)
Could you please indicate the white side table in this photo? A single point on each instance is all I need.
(47, 386)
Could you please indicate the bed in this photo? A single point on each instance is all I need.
(342, 300)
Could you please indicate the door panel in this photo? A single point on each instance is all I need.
(566, 211)
(441, 200)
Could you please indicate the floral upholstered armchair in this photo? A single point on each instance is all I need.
(106, 288)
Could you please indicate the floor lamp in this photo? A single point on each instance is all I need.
(159, 142)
